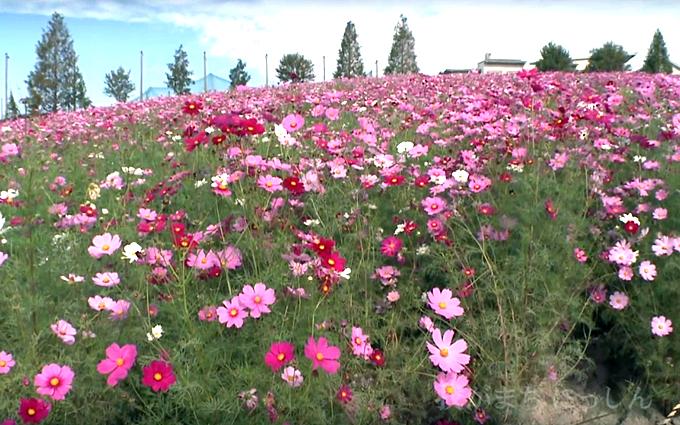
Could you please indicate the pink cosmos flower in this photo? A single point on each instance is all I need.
(453, 389)
(444, 304)
(292, 376)
(580, 255)
(118, 362)
(618, 300)
(663, 246)
(323, 355)
(279, 354)
(64, 331)
(159, 376)
(270, 183)
(203, 260)
(626, 273)
(230, 257)
(257, 299)
(661, 326)
(660, 214)
(434, 205)
(106, 279)
(390, 246)
(478, 183)
(293, 122)
(449, 357)
(54, 381)
(332, 114)
(6, 362)
(207, 314)
(426, 323)
(104, 245)
(647, 270)
(119, 310)
(232, 313)
(3, 258)
(360, 344)
(99, 303)
(622, 254)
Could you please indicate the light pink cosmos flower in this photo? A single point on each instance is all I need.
(426, 323)
(270, 183)
(448, 356)
(292, 376)
(99, 303)
(444, 304)
(647, 270)
(6, 362)
(293, 122)
(660, 214)
(360, 345)
(119, 310)
(203, 260)
(663, 246)
(257, 299)
(618, 300)
(332, 114)
(3, 258)
(478, 183)
(453, 389)
(622, 254)
(626, 273)
(64, 331)
(230, 258)
(232, 313)
(434, 205)
(323, 355)
(661, 326)
(118, 362)
(104, 245)
(54, 381)
(106, 279)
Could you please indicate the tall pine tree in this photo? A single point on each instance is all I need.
(295, 68)
(657, 57)
(402, 58)
(56, 82)
(117, 84)
(238, 75)
(179, 78)
(349, 57)
(12, 108)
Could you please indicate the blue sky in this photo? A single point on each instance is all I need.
(448, 34)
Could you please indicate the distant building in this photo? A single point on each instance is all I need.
(582, 63)
(214, 83)
(675, 69)
(489, 65)
(455, 71)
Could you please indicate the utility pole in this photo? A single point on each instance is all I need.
(266, 70)
(205, 75)
(6, 68)
(324, 68)
(141, 75)
(376, 68)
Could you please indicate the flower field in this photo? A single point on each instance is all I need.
(362, 251)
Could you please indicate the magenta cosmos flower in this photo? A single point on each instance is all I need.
(6, 362)
(270, 183)
(279, 354)
(158, 376)
(444, 304)
(323, 355)
(257, 299)
(65, 331)
(453, 389)
(449, 357)
(104, 245)
(390, 246)
(661, 326)
(117, 363)
(34, 410)
(54, 381)
(232, 313)
(433, 205)
(293, 122)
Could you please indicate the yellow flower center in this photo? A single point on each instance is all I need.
(257, 299)
(31, 411)
(357, 341)
(192, 106)
(157, 376)
(3, 363)
(293, 183)
(442, 304)
(331, 262)
(343, 394)
(434, 206)
(54, 382)
(223, 186)
(449, 389)
(280, 357)
(444, 352)
(322, 247)
(233, 312)
(269, 184)
(101, 305)
(105, 248)
(319, 356)
(106, 280)
(120, 361)
(204, 260)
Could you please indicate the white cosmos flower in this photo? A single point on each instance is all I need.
(345, 273)
(461, 176)
(404, 147)
(156, 333)
(130, 252)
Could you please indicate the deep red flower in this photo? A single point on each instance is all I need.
(34, 410)
(550, 209)
(322, 246)
(631, 227)
(394, 180)
(422, 181)
(344, 394)
(252, 127)
(192, 107)
(216, 140)
(158, 376)
(294, 185)
(334, 261)
(377, 357)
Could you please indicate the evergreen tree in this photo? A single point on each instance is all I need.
(118, 84)
(179, 78)
(610, 58)
(555, 58)
(12, 108)
(349, 57)
(295, 68)
(657, 57)
(402, 58)
(56, 82)
(238, 75)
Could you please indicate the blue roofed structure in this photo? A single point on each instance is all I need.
(214, 83)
